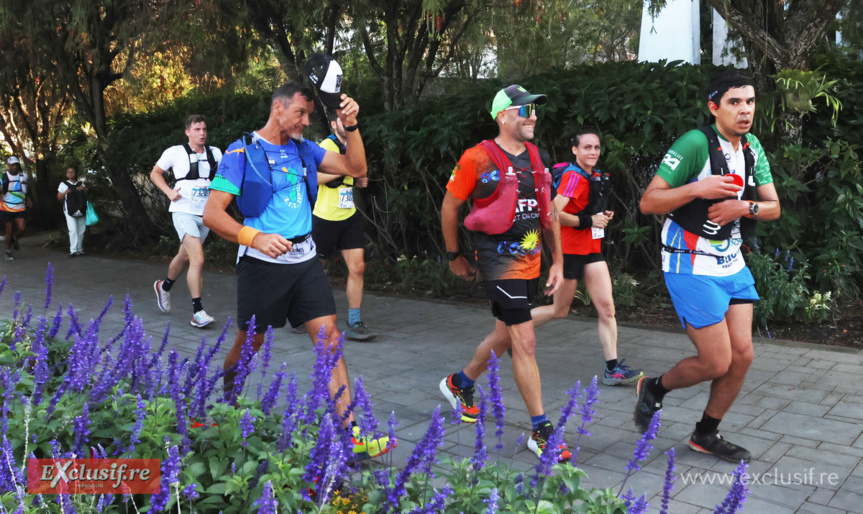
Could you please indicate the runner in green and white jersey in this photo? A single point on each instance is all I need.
(708, 182)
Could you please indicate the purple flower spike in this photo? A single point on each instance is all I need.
(368, 423)
(391, 432)
(640, 505)
(267, 503)
(81, 430)
(49, 285)
(737, 495)
(190, 492)
(480, 454)
(266, 355)
(492, 501)
(421, 459)
(247, 425)
(669, 482)
(642, 447)
(170, 472)
(567, 410)
(496, 396)
(56, 322)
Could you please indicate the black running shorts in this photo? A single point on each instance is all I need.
(573, 265)
(274, 293)
(510, 299)
(337, 235)
(10, 216)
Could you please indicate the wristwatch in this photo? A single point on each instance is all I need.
(753, 209)
(451, 256)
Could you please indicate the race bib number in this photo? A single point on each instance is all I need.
(346, 198)
(597, 233)
(200, 195)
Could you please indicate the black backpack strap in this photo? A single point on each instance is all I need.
(718, 166)
(211, 159)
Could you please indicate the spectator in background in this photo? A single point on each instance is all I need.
(73, 193)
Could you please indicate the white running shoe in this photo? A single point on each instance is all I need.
(201, 319)
(163, 298)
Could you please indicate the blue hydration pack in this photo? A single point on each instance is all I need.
(257, 189)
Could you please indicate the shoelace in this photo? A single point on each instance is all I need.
(467, 396)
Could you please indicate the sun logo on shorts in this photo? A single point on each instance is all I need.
(530, 241)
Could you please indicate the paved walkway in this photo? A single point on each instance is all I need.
(800, 412)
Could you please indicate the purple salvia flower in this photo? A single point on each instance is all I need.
(140, 414)
(437, 503)
(56, 322)
(519, 482)
(669, 482)
(190, 492)
(628, 498)
(245, 366)
(787, 255)
(49, 285)
(195, 370)
(158, 355)
(17, 298)
(391, 432)
(272, 395)
(41, 371)
(422, 458)
(267, 503)
(97, 323)
(289, 424)
(127, 310)
(492, 501)
(776, 254)
(639, 506)
(551, 454)
(3, 284)
(325, 361)
(496, 396)
(320, 453)
(737, 495)
(518, 442)
(247, 425)
(368, 423)
(642, 447)
(266, 354)
(74, 325)
(587, 412)
(456, 412)
(791, 264)
(480, 454)
(81, 429)
(170, 474)
(567, 410)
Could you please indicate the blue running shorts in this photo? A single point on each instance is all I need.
(702, 300)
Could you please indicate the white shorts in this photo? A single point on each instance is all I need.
(190, 224)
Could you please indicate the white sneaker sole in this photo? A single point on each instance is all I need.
(202, 325)
(159, 298)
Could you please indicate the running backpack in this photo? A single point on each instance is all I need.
(76, 201)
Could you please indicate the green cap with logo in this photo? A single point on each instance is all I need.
(514, 95)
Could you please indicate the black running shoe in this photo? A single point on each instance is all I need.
(15, 245)
(715, 444)
(645, 406)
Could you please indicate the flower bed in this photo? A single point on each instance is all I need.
(70, 391)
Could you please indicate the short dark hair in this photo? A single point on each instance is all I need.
(583, 132)
(194, 118)
(285, 93)
(332, 115)
(720, 83)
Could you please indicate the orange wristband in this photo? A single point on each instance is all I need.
(247, 235)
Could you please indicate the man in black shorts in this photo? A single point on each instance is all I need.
(336, 225)
(272, 174)
(14, 201)
(508, 183)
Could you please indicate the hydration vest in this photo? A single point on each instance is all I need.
(494, 214)
(597, 200)
(193, 165)
(693, 216)
(257, 187)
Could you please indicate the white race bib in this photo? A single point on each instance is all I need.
(597, 233)
(199, 196)
(346, 198)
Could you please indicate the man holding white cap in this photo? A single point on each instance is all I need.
(13, 204)
(272, 174)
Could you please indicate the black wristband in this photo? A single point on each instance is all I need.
(352, 127)
(584, 220)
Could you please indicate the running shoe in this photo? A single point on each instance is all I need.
(366, 448)
(454, 393)
(15, 245)
(9, 256)
(715, 444)
(359, 332)
(540, 437)
(163, 298)
(201, 319)
(621, 374)
(645, 406)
